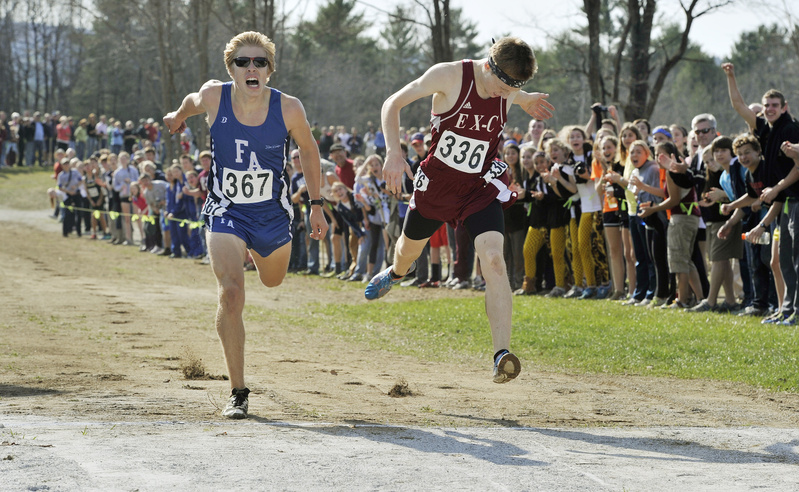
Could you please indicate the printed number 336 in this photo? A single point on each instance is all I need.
(461, 153)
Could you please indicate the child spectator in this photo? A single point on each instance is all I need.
(645, 180)
(683, 210)
(96, 197)
(721, 250)
(125, 174)
(608, 174)
(177, 213)
(763, 259)
(139, 205)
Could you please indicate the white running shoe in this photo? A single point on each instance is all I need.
(506, 367)
(238, 404)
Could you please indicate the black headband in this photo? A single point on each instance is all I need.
(505, 78)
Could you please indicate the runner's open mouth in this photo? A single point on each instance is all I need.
(252, 82)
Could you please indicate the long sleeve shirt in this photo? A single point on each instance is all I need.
(121, 175)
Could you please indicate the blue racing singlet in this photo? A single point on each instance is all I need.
(246, 175)
(248, 195)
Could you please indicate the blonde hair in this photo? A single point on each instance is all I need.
(250, 38)
(556, 142)
(643, 145)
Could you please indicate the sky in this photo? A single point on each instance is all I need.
(536, 20)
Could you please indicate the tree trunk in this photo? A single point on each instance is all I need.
(201, 19)
(617, 59)
(440, 30)
(671, 61)
(641, 12)
(268, 22)
(162, 21)
(592, 8)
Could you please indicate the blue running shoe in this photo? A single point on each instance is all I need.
(775, 319)
(506, 367)
(383, 281)
(789, 321)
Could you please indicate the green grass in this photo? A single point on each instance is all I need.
(25, 188)
(593, 337)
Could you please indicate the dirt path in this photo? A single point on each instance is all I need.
(100, 332)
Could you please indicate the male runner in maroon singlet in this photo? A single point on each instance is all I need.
(460, 181)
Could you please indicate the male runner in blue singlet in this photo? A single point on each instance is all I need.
(460, 181)
(248, 206)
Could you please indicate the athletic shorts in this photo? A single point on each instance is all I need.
(264, 236)
(680, 239)
(439, 238)
(450, 196)
(491, 218)
(339, 229)
(724, 249)
(616, 218)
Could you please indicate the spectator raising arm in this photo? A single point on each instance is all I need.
(736, 99)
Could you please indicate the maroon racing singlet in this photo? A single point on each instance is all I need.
(461, 174)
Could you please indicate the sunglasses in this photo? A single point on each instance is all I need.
(704, 131)
(244, 61)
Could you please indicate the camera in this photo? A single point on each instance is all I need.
(579, 169)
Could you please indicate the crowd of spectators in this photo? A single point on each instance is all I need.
(30, 139)
(651, 216)
(657, 216)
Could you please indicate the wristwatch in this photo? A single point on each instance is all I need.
(316, 202)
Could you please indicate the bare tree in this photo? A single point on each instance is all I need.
(635, 45)
(787, 16)
(160, 16)
(440, 30)
(592, 9)
(200, 11)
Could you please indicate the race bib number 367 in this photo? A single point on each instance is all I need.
(462, 153)
(247, 186)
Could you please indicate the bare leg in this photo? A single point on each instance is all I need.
(696, 284)
(729, 290)
(272, 269)
(337, 240)
(629, 258)
(126, 225)
(683, 287)
(499, 299)
(406, 252)
(779, 283)
(616, 257)
(227, 253)
(353, 253)
(718, 274)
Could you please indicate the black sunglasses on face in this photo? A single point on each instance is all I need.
(704, 130)
(244, 61)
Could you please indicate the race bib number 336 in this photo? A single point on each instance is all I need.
(462, 153)
(247, 186)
